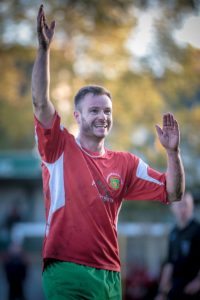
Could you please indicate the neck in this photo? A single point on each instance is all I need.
(91, 145)
(183, 224)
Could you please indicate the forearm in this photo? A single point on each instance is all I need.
(43, 108)
(40, 79)
(165, 280)
(175, 176)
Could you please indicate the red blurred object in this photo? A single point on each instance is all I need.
(139, 285)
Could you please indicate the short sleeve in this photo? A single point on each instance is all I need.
(145, 183)
(50, 141)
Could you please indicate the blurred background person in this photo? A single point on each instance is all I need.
(14, 216)
(180, 276)
(15, 267)
(9, 219)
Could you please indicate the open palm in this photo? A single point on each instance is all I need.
(169, 134)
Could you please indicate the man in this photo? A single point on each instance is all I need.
(84, 184)
(180, 278)
(15, 267)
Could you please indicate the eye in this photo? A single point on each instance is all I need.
(107, 112)
(94, 110)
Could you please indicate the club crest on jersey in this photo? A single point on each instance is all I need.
(114, 181)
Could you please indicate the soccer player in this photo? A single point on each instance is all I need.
(84, 184)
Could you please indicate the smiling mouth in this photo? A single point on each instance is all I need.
(101, 126)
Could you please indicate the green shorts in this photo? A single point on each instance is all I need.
(70, 281)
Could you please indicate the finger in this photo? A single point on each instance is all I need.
(40, 9)
(45, 24)
(40, 18)
(171, 120)
(159, 130)
(40, 12)
(44, 17)
(164, 120)
(168, 119)
(40, 25)
(53, 25)
(176, 126)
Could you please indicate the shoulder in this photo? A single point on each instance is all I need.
(174, 232)
(124, 155)
(127, 159)
(195, 226)
(196, 223)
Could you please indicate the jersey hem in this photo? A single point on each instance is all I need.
(88, 264)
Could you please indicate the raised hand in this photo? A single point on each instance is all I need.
(169, 134)
(45, 32)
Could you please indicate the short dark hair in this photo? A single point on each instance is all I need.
(90, 89)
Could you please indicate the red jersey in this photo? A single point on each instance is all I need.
(83, 195)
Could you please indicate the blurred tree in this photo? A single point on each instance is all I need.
(16, 119)
(90, 47)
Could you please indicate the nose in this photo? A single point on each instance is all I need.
(102, 115)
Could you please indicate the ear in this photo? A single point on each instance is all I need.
(77, 116)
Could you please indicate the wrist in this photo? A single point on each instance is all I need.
(43, 49)
(173, 152)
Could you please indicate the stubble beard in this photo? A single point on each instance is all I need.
(89, 130)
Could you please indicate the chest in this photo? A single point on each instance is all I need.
(110, 176)
(182, 244)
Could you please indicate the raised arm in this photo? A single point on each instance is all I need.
(169, 136)
(42, 106)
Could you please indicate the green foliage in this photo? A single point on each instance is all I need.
(15, 115)
(89, 47)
